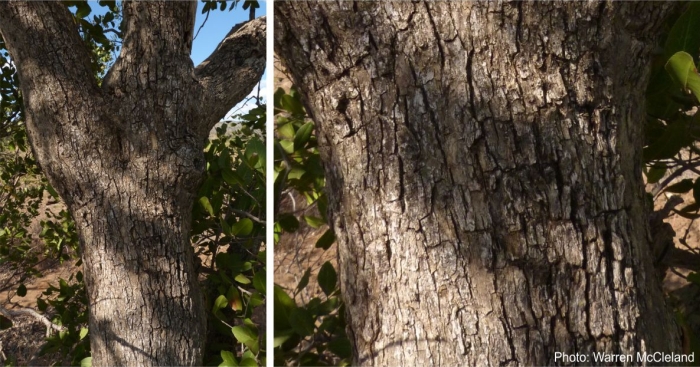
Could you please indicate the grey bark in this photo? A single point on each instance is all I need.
(127, 159)
(483, 164)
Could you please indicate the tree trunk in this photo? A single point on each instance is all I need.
(127, 157)
(484, 170)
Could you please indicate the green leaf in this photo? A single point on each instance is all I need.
(52, 191)
(108, 17)
(41, 305)
(256, 299)
(253, 159)
(303, 135)
(242, 228)
(326, 240)
(327, 278)
(288, 222)
(302, 322)
(341, 347)
(262, 256)
(5, 323)
(681, 187)
(243, 334)
(247, 353)
(292, 105)
(220, 303)
(249, 362)
(22, 290)
(694, 278)
(83, 10)
(246, 336)
(86, 362)
(679, 66)
(296, 173)
(225, 228)
(280, 338)
(684, 35)
(694, 83)
(206, 205)
(240, 278)
(674, 138)
(285, 130)
(234, 299)
(83, 333)
(259, 281)
(313, 221)
(256, 148)
(229, 359)
(284, 305)
(287, 146)
(329, 305)
(246, 266)
(283, 298)
(304, 280)
(232, 178)
(682, 69)
(655, 174)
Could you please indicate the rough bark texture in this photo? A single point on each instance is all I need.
(484, 170)
(127, 159)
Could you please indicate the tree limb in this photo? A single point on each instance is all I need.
(30, 29)
(246, 214)
(58, 86)
(10, 314)
(233, 69)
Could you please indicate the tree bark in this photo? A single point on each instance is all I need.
(127, 158)
(483, 164)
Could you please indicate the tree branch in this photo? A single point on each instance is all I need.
(10, 314)
(233, 69)
(44, 43)
(246, 214)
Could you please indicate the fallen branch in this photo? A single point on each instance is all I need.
(10, 314)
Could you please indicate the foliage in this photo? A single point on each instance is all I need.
(228, 222)
(22, 191)
(673, 124)
(310, 334)
(69, 306)
(228, 227)
(672, 130)
(94, 32)
(221, 4)
(672, 127)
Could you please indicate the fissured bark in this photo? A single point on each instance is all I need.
(127, 158)
(483, 162)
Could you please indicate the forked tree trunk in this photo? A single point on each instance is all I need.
(127, 159)
(484, 170)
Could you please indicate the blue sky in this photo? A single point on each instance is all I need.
(214, 30)
(216, 27)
